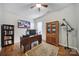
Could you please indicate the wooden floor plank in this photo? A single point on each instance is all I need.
(14, 50)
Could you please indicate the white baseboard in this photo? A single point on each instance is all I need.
(78, 51)
(73, 47)
(69, 46)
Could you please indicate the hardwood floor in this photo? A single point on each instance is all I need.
(14, 50)
(67, 52)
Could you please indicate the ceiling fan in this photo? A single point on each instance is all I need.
(39, 6)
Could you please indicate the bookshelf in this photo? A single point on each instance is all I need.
(7, 35)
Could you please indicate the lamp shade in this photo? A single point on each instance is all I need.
(62, 24)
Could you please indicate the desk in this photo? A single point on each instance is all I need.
(27, 41)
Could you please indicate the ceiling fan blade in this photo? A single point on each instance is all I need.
(32, 6)
(45, 6)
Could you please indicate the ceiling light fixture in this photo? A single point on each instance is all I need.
(38, 5)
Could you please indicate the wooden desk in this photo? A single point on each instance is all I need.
(27, 41)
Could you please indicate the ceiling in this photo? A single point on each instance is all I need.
(24, 10)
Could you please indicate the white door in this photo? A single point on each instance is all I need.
(39, 28)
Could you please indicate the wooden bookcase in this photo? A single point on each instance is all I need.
(7, 35)
(52, 32)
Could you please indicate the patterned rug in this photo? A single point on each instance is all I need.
(44, 49)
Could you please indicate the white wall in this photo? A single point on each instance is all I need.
(77, 18)
(68, 14)
(7, 17)
(1, 21)
(20, 31)
(0, 34)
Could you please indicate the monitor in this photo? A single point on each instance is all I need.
(31, 32)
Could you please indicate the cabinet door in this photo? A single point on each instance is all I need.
(53, 27)
(48, 28)
(51, 39)
(48, 39)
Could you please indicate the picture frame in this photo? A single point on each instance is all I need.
(23, 24)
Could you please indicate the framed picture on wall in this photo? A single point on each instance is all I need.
(23, 24)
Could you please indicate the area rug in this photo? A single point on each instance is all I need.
(44, 49)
